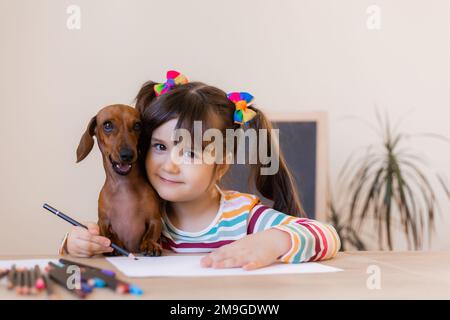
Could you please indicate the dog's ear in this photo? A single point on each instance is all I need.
(87, 140)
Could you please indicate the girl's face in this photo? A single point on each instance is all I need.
(175, 182)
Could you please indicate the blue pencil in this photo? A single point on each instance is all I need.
(76, 223)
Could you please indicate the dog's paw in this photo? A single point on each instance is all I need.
(151, 248)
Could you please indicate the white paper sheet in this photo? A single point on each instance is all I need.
(189, 266)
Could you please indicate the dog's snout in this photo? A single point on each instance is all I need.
(126, 154)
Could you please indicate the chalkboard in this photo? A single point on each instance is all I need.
(303, 142)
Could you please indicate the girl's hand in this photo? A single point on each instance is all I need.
(254, 251)
(87, 243)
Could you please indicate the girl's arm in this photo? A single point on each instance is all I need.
(311, 240)
(272, 236)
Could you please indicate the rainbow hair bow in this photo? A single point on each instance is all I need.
(242, 101)
(173, 78)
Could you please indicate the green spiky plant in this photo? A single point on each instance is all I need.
(388, 184)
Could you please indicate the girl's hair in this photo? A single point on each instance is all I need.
(196, 101)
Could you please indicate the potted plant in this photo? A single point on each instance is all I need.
(389, 182)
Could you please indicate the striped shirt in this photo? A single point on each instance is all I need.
(241, 214)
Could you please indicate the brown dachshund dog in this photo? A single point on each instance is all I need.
(128, 207)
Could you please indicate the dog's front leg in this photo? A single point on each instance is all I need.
(149, 244)
(106, 231)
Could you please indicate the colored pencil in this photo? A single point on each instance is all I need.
(49, 287)
(26, 281)
(89, 273)
(32, 282)
(12, 277)
(3, 273)
(20, 281)
(39, 283)
(60, 278)
(105, 271)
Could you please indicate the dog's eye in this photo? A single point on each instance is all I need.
(108, 126)
(137, 126)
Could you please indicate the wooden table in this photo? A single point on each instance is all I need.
(404, 275)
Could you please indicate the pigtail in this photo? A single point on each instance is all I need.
(144, 98)
(279, 187)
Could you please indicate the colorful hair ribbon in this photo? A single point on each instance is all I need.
(173, 78)
(242, 100)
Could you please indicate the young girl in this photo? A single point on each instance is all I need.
(234, 228)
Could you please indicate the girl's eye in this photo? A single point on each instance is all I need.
(190, 154)
(137, 126)
(108, 126)
(159, 147)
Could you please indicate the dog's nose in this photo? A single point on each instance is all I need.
(126, 154)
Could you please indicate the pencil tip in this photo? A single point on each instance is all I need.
(132, 256)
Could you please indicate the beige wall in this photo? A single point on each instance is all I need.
(292, 55)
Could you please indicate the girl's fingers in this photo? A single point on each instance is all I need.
(84, 235)
(223, 259)
(252, 265)
(213, 257)
(80, 255)
(228, 263)
(88, 254)
(220, 261)
(93, 228)
(82, 243)
(219, 254)
(77, 252)
(206, 261)
(92, 248)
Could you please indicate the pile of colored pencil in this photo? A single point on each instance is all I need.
(27, 281)
(32, 281)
